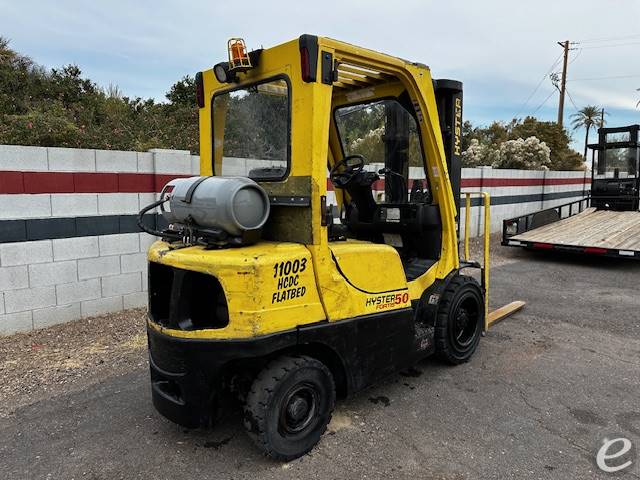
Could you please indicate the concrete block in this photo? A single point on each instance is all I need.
(24, 253)
(119, 244)
(145, 281)
(121, 284)
(44, 274)
(145, 162)
(46, 317)
(101, 306)
(146, 241)
(16, 322)
(74, 205)
(72, 160)
(236, 168)
(25, 206)
(117, 203)
(133, 262)
(116, 161)
(195, 164)
(135, 300)
(145, 199)
(167, 161)
(29, 298)
(1, 303)
(78, 291)
(75, 248)
(19, 158)
(98, 267)
(14, 278)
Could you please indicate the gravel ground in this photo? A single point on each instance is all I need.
(544, 389)
(69, 357)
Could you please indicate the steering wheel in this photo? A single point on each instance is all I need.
(341, 179)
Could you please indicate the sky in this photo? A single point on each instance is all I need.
(501, 50)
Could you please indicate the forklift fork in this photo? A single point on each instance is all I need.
(503, 312)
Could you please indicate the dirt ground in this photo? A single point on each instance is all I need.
(69, 357)
(545, 388)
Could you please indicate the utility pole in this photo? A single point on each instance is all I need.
(563, 82)
(602, 118)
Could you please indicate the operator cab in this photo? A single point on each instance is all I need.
(381, 175)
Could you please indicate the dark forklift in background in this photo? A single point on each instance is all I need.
(607, 222)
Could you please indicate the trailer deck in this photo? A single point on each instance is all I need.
(591, 230)
(607, 222)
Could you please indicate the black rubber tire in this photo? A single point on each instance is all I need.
(463, 292)
(266, 408)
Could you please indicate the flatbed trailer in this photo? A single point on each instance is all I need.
(607, 222)
(579, 228)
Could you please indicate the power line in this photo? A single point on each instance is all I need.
(609, 39)
(611, 46)
(553, 65)
(601, 78)
(572, 102)
(545, 101)
(577, 55)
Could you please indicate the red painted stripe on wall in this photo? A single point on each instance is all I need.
(521, 182)
(95, 182)
(12, 182)
(99, 182)
(498, 182)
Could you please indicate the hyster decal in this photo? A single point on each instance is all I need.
(387, 300)
(457, 141)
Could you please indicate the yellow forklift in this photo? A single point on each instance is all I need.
(276, 286)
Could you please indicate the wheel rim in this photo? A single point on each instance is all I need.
(465, 322)
(298, 409)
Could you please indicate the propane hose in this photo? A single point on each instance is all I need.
(152, 231)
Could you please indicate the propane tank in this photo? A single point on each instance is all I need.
(233, 204)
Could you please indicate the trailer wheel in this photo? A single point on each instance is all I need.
(460, 320)
(289, 406)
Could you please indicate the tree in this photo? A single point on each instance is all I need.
(529, 154)
(183, 92)
(488, 141)
(587, 117)
(480, 154)
(62, 108)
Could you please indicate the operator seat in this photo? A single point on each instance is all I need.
(349, 175)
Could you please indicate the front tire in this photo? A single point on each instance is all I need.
(289, 406)
(460, 320)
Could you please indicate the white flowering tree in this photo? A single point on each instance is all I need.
(529, 154)
(479, 154)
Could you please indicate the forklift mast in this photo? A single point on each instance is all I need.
(449, 100)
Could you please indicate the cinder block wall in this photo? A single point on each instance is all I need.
(518, 192)
(69, 243)
(70, 246)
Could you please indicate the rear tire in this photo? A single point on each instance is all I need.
(460, 320)
(289, 406)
